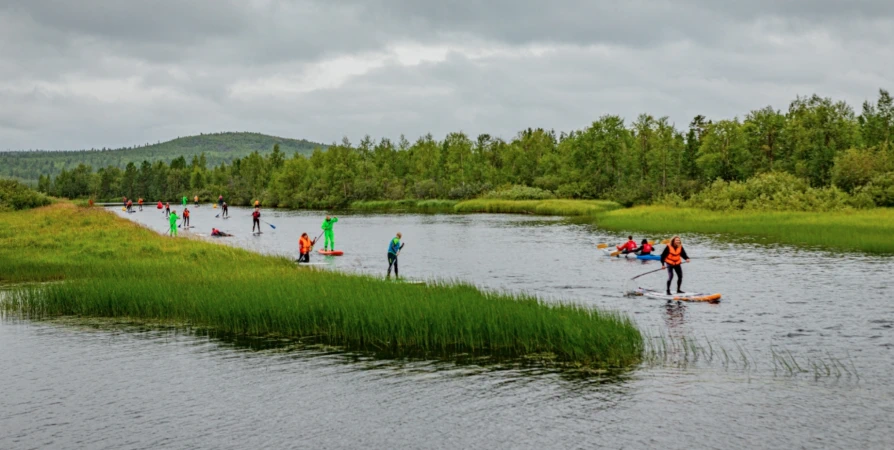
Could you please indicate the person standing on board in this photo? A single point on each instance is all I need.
(140, 202)
(186, 218)
(219, 200)
(167, 208)
(129, 206)
(173, 221)
(256, 220)
(184, 201)
(329, 236)
(672, 257)
(226, 210)
(124, 201)
(393, 250)
(305, 246)
(196, 198)
(257, 203)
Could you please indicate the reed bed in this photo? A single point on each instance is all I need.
(413, 206)
(539, 207)
(868, 231)
(111, 267)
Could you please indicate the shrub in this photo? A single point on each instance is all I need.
(880, 189)
(16, 196)
(519, 192)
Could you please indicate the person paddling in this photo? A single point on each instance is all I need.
(226, 211)
(256, 220)
(628, 247)
(184, 201)
(173, 221)
(167, 209)
(305, 246)
(672, 257)
(186, 218)
(196, 198)
(329, 236)
(393, 250)
(644, 249)
(140, 202)
(219, 200)
(257, 203)
(129, 206)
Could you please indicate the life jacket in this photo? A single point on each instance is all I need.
(160, 206)
(140, 201)
(214, 232)
(257, 203)
(304, 244)
(186, 213)
(256, 214)
(197, 199)
(647, 248)
(629, 246)
(673, 255)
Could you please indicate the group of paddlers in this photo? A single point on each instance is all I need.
(671, 258)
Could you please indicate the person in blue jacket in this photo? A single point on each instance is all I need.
(393, 250)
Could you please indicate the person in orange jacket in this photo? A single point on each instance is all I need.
(305, 246)
(186, 218)
(628, 247)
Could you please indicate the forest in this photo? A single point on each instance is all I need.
(218, 148)
(817, 144)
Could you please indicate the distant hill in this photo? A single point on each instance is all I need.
(218, 148)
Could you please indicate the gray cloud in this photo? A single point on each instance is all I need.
(99, 73)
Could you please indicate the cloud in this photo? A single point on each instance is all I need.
(106, 73)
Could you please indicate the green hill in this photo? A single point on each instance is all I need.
(218, 148)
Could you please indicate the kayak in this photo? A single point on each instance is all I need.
(608, 253)
(687, 297)
(331, 252)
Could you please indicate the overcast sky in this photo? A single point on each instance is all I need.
(94, 73)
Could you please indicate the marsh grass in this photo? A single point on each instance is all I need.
(111, 267)
(870, 231)
(539, 207)
(411, 206)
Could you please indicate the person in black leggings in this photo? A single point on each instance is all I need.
(672, 257)
(256, 220)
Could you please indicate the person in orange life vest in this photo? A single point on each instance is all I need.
(644, 249)
(672, 257)
(196, 198)
(186, 218)
(167, 209)
(629, 247)
(305, 245)
(257, 204)
(140, 202)
(256, 220)
(129, 206)
(216, 232)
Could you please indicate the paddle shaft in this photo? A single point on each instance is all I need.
(653, 271)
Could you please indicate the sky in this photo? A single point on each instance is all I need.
(111, 73)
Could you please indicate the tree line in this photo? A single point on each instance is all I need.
(818, 140)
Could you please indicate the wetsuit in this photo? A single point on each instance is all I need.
(673, 259)
(184, 201)
(393, 249)
(329, 241)
(256, 221)
(173, 220)
(226, 211)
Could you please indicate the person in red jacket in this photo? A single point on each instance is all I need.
(645, 248)
(256, 220)
(629, 247)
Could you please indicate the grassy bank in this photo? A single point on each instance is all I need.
(868, 231)
(411, 206)
(114, 268)
(539, 207)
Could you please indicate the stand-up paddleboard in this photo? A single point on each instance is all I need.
(331, 252)
(631, 256)
(687, 297)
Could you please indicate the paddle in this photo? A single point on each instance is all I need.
(268, 223)
(653, 271)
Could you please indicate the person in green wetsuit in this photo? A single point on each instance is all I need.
(329, 237)
(173, 220)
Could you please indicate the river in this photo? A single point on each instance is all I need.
(95, 384)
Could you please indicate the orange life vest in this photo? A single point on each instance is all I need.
(673, 255)
(304, 244)
(186, 213)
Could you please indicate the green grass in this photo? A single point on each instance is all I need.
(420, 206)
(870, 231)
(110, 267)
(539, 207)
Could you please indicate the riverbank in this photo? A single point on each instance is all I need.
(112, 267)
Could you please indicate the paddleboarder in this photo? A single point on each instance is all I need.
(196, 198)
(328, 235)
(140, 202)
(305, 246)
(184, 201)
(219, 200)
(129, 206)
(256, 220)
(393, 250)
(167, 208)
(173, 221)
(186, 218)
(226, 211)
(672, 257)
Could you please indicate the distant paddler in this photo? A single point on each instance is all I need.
(160, 206)
(217, 233)
(328, 235)
(184, 201)
(256, 220)
(167, 208)
(173, 221)
(226, 210)
(129, 205)
(219, 200)
(645, 248)
(196, 198)
(140, 202)
(628, 247)
(257, 203)
(305, 246)
(394, 248)
(186, 218)
(672, 257)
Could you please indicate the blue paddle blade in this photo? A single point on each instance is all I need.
(271, 226)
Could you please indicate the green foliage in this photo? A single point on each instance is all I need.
(16, 196)
(772, 191)
(857, 166)
(540, 207)
(880, 189)
(212, 149)
(518, 192)
(114, 268)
